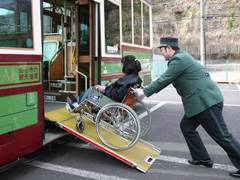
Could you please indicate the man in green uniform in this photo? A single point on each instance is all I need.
(202, 101)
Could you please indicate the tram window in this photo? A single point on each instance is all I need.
(61, 10)
(84, 30)
(16, 24)
(74, 26)
(146, 26)
(112, 28)
(47, 6)
(126, 21)
(47, 24)
(137, 22)
(59, 28)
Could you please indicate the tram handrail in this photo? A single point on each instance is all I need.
(51, 61)
(84, 77)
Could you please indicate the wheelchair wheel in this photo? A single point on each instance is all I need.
(80, 125)
(144, 122)
(118, 126)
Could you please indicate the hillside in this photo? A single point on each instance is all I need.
(181, 18)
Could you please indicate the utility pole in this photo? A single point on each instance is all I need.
(202, 38)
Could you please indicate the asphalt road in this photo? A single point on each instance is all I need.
(74, 159)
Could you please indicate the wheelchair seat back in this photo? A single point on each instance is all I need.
(129, 99)
(98, 98)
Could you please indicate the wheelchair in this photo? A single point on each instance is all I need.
(117, 124)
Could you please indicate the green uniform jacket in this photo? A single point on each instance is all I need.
(192, 82)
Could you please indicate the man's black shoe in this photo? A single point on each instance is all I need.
(206, 163)
(70, 102)
(235, 174)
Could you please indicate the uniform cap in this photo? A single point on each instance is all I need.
(168, 41)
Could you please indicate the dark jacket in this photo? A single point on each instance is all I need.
(192, 82)
(117, 90)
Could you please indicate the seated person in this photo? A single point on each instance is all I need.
(117, 90)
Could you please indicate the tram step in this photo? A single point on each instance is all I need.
(60, 85)
(55, 95)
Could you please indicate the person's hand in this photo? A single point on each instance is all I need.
(101, 88)
(138, 92)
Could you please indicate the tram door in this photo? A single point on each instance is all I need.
(85, 66)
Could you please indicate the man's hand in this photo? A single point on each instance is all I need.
(138, 92)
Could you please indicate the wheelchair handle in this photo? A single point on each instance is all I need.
(132, 90)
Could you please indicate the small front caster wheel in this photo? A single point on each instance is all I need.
(80, 125)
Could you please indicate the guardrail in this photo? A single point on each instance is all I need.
(220, 70)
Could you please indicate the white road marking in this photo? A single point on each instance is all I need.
(73, 171)
(236, 105)
(157, 106)
(154, 101)
(238, 86)
(160, 157)
(226, 90)
(151, 110)
(184, 161)
(229, 90)
(182, 147)
(176, 102)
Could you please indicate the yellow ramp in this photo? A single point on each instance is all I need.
(141, 155)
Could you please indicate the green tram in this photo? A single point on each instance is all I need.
(52, 49)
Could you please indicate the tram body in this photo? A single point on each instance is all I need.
(88, 38)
